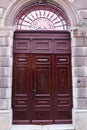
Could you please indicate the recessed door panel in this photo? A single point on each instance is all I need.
(22, 46)
(42, 46)
(41, 88)
(63, 89)
(61, 46)
(21, 88)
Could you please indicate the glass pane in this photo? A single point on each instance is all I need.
(42, 20)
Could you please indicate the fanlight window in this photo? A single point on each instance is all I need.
(42, 19)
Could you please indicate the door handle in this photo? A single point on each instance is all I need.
(33, 92)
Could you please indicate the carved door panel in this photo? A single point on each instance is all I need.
(22, 89)
(63, 92)
(42, 89)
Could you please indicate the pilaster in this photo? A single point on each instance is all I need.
(79, 76)
(6, 61)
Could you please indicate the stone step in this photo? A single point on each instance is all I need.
(42, 127)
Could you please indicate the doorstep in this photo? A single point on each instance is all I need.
(43, 127)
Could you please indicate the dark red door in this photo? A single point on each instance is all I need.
(42, 88)
(42, 78)
(62, 81)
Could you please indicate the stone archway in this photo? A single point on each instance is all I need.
(8, 20)
(17, 6)
(31, 18)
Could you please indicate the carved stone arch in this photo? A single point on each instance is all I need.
(16, 6)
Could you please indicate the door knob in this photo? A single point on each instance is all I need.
(33, 92)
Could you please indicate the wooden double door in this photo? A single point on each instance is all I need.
(42, 92)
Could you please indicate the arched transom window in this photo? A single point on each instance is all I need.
(42, 17)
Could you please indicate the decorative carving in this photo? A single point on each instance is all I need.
(71, 1)
(42, 19)
(63, 80)
(41, 1)
(21, 82)
(42, 80)
(42, 24)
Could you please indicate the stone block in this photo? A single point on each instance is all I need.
(79, 51)
(3, 41)
(85, 39)
(80, 31)
(5, 51)
(80, 5)
(77, 42)
(5, 4)
(57, 127)
(80, 118)
(6, 41)
(2, 11)
(86, 51)
(85, 71)
(85, 61)
(6, 61)
(78, 61)
(75, 103)
(80, 92)
(7, 31)
(5, 71)
(85, 68)
(5, 93)
(79, 82)
(43, 127)
(28, 127)
(5, 104)
(5, 82)
(75, 93)
(83, 13)
(5, 119)
(10, 41)
(82, 103)
(0, 21)
(78, 71)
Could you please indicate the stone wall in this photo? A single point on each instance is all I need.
(6, 46)
(79, 64)
(79, 76)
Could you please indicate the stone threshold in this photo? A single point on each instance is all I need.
(43, 127)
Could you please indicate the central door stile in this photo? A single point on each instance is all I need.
(30, 89)
(53, 90)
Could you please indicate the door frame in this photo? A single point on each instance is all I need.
(7, 32)
(62, 35)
